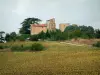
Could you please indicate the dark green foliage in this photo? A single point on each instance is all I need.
(3, 46)
(7, 37)
(97, 33)
(71, 28)
(1, 36)
(42, 35)
(97, 44)
(75, 31)
(37, 47)
(25, 29)
(32, 47)
(11, 37)
(19, 48)
(47, 34)
(23, 37)
(34, 38)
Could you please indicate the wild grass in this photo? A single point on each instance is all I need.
(58, 59)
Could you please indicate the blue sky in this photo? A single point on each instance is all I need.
(81, 12)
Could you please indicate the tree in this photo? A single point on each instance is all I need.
(41, 35)
(97, 33)
(13, 36)
(7, 37)
(87, 31)
(1, 36)
(34, 38)
(47, 34)
(25, 29)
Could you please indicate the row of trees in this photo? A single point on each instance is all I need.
(72, 31)
(86, 32)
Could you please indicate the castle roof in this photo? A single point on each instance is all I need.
(39, 25)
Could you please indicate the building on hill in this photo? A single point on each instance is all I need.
(37, 28)
(62, 26)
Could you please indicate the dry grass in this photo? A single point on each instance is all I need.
(58, 59)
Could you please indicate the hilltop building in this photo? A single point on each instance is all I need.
(51, 25)
(62, 26)
(37, 28)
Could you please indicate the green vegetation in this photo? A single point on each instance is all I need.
(22, 47)
(25, 29)
(71, 32)
(97, 44)
(11, 37)
(3, 46)
(1, 36)
(19, 48)
(37, 47)
(58, 59)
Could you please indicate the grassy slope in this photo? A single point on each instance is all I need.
(58, 59)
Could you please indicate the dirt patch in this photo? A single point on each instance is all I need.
(85, 41)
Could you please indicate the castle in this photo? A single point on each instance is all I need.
(37, 28)
(49, 25)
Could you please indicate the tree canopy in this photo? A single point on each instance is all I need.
(25, 29)
(1, 36)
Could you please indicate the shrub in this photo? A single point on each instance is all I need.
(1, 47)
(18, 48)
(97, 44)
(21, 38)
(33, 47)
(37, 47)
(34, 38)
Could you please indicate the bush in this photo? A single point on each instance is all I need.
(18, 48)
(97, 44)
(1, 47)
(37, 47)
(34, 38)
(33, 47)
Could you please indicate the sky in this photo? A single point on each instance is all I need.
(81, 12)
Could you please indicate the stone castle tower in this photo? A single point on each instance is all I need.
(62, 26)
(51, 25)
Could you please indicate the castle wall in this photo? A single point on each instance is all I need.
(37, 29)
(50, 25)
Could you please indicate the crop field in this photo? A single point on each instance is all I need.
(57, 59)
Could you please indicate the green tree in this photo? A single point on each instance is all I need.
(97, 33)
(41, 35)
(1, 36)
(47, 34)
(87, 31)
(13, 36)
(7, 37)
(34, 38)
(25, 29)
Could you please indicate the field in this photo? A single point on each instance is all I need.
(57, 59)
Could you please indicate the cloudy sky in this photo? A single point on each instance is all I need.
(82, 12)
